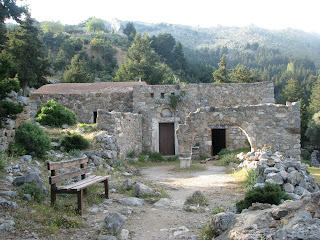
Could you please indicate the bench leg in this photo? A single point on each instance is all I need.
(106, 188)
(80, 202)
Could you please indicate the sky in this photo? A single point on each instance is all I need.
(271, 14)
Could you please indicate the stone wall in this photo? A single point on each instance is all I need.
(126, 129)
(84, 105)
(271, 125)
(153, 102)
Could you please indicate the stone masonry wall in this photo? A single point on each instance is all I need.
(83, 105)
(126, 129)
(272, 125)
(153, 102)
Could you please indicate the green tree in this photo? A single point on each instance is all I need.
(179, 60)
(95, 25)
(313, 131)
(9, 9)
(76, 72)
(221, 75)
(292, 91)
(241, 75)
(28, 55)
(315, 97)
(130, 31)
(52, 26)
(141, 62)
(164, 44)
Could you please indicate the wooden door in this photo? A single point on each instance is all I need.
(218, 140)
(166, 139)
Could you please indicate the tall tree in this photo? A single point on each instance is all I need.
(179, 59)
(76, 72)
(221, 75)
(141, 62)
(52, 26)
(241, 74)
(9, 9)
(130, 31)
(28, 55)
(95, 25)
(292, 91)
(315, 97)
(164, 44)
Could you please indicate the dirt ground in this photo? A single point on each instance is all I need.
(159, 223)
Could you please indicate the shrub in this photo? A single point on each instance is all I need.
(16, 149)
(9, 110)
(54, 114)
(74, 141)
(155, 157)
(131, 154)
(33, 190)
(228, 158)
(32, 138)
(271, 193)
(224, 152)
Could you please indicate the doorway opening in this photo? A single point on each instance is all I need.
(166, 139)
(218, 140)
(95, 116)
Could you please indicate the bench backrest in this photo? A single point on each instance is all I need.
(52, 166)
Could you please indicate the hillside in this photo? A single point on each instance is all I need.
(291, 42)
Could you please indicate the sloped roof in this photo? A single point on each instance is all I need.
(82, 88)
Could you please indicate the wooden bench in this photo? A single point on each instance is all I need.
(78, 187)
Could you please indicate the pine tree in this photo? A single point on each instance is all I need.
(221, 75)
(76, 72)
(292, 91)
(141, 62)
(27, 53)
(180, 62)
(315, 97)
(241, 75)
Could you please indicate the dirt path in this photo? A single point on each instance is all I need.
(164, 223)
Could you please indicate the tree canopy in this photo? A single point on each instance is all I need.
(141, 62)
(95, 25)
(130, 31)
(76, 73)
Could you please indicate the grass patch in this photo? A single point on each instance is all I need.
(226, 159)
(246, 177)
(315, 173)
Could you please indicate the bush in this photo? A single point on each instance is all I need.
(54, 114)
(32, 138)
(74, 141)
(224, 152)
(228, 158)
(33, 190)
(9, 110)
(155, 157)
(271, 193)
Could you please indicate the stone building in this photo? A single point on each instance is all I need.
(181, 119)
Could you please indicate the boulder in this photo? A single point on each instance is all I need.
(131, 201)
(128, 184)
(141, 189)
(294, 177)
(114, 222)
(30, 177)
(221, 222)
(274, 178)
(163, 202)
(197, 198)
(7, 204)
(288, 188)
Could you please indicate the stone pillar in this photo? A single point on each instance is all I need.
(185, 160)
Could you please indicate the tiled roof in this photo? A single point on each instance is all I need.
(81, 88)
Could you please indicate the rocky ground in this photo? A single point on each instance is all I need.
(162, 220)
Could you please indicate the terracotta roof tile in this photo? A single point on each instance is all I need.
(81, 88)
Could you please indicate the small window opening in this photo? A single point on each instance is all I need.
(162, 95)
(152, 95)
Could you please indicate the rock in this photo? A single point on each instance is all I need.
(126, 211)
(97, 160)
(114, 222)
(294, 177)
(108, 201)
(23, 100)
(131, 201)
(163, 202)
(259, 185)
(294, 196)
(64, 126)
(221, 222)
(259, 206)
(299, 217)
(158, 194)
(7, 225)
(106, 237)
(274, 178)
(30, 177)
(279, 213)
(178, 231)
(7, 204)
(124, 234)
(288, 188)
(26, 158)
(300, 190)
(315, 158)
(141, 189)
(270, 170)
(10, 194)
(197, 198)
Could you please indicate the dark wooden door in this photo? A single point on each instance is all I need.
(166, 138)
(218, 140)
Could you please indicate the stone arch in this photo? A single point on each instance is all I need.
(277, 126)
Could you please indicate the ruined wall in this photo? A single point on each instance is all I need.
(126, 128)
(153, 102)
(83, 105)
(271, 125)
